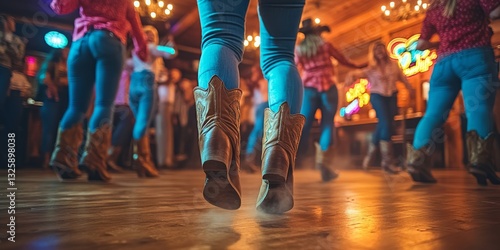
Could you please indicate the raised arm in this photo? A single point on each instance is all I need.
(63, 7)
(354, 75)
(166, 52)
(428, 30)
(341, 58)
(139, 38)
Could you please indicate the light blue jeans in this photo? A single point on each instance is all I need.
(95, 60)
(474, 72)
(223, 32)
(142, 100)
(258, 129)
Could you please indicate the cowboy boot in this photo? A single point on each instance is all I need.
(95, 154)
(64, 159)
(386, 152)
(142, 159)
(368, 160)
(481, 159)
(282, 132)
(112, 161)
(419, 164)
(218, 115)
(324, 163)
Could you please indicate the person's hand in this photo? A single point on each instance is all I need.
(142, 53)
(52, 92)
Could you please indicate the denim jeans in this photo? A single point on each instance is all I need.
(386, 108)
(258, 129)
(327, 102)
(142, 100)
(95, 60)
(223, 27)
(51, 113)
(123, 123)
(474, 72)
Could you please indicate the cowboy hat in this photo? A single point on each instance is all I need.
(309, 28)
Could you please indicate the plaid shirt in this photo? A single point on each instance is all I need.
(318, 69)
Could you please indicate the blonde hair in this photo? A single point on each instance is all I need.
(308, 47)
(155, 33)
(449, 6)
(372, 61)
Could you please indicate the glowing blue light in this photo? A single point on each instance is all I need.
(56, 40)
(166, 49)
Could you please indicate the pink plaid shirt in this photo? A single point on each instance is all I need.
(117, 16)
(318, 69)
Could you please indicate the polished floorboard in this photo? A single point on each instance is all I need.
(360, 210)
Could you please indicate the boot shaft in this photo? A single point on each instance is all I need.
(480, 151)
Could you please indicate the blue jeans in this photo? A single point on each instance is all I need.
(123, 124)
(51, 114)
(142, 100)
(223, 27)
(474, 72)
(327, 102)
(94, 60)
(386, 108)
(258, 128)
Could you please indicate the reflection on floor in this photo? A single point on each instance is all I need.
(358, 211)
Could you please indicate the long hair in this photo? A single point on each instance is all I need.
(372, 60)
(449, 6)
(308, 47)
(154, 31)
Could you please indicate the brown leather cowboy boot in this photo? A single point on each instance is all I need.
(142, 157)
(370, 155)
(282, 132)
(218, 113)
(64, 159)
(324, 163)
(112, 161)
(386, 151)
(94, 157)
(481, 158)
(419, 164)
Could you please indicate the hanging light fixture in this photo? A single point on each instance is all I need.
(154, 9)
(401, 10)
(252, 42)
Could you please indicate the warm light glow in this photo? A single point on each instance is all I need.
(392, 4)
(383, 8)
(245, 43)
(417, 8)
(137, 4)
(357, 97)
(404, 1)
(249, 38)
(148, 2)
(387, 12)
(424, 6)
(256, 44)
(170, 6)
(153, 15)
(257, 39)
(167, 12)
(161, 4)
(317, 20)
(419, 2)
(403, 10)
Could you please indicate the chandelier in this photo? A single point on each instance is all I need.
(155, 9)
(252, 42)
(401, 10)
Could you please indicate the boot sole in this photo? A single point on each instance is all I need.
(63, 174)
(418, 176)
(278, 198)
(219, 190)
(94, 175)
(483, 175)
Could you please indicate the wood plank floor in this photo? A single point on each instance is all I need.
(358, 211)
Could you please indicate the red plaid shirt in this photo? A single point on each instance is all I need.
(318, 69)
(467, 28)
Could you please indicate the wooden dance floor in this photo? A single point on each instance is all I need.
(358, 211)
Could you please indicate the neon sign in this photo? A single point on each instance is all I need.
(357, 97)
(411, 60)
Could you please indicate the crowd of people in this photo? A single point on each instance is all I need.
(114, 94)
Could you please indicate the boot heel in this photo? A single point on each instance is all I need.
(481, 176)
(219, 190)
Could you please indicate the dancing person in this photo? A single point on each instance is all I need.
(142, 99)
(314, 54)
(53, 75)
(383, 74)
(95, 59)
(218, 100)
(466, 62)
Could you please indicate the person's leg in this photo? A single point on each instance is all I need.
(223, 30)
(218, 99)
(279, 23)
(109, 54)
(324, 150)
(257, 131)
(477, 70)
(309, 106)
(444, 88)
(143, 82)
(385, 123)
(81, 77)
